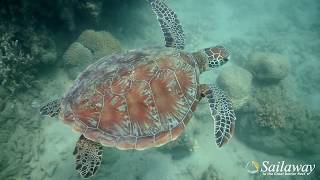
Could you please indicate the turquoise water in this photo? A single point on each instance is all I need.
(272, 78)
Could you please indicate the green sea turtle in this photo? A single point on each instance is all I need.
(142, 98)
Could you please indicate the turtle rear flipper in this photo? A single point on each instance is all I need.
(169, 23)
(51, 109)
(88, 156)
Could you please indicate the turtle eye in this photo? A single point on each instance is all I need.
(217, 56)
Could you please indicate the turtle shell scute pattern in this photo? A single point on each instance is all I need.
(137, 100)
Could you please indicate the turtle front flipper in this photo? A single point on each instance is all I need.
(51, 109)
(169, 23)
(221, 112)
(88, 156)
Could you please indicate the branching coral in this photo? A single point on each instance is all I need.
(22, 51)
(16, 66)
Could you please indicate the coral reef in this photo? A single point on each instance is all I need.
(89, 47)
(276, 122)
(270, 116)
(236, 82)
(16, 66)
(76, 58)
(23, 50)
(101, 43)
(77, 54)
(270, 111)
(270, 67)
(274, 119)
(271, 120)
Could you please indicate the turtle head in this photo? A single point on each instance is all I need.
(212, 57)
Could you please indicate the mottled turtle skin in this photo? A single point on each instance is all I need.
(135, 100)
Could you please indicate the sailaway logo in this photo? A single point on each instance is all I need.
(279, 168)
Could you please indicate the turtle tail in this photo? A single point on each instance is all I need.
(51, 109)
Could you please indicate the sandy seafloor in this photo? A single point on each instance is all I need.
(287, 26)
